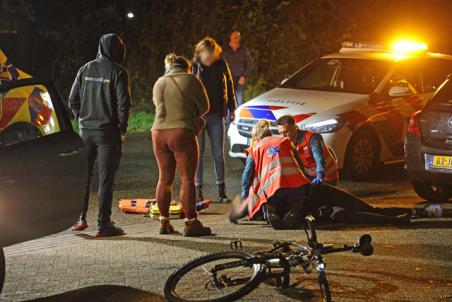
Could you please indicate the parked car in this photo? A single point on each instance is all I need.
(359, 99)
(428, 147)
(42, 164)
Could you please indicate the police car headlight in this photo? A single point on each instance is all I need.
(326, 126)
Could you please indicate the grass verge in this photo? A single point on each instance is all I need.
(139, 122)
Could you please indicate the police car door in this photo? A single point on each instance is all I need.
(402, 96)
(42, 163)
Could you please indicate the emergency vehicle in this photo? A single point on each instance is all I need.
(360, 99)
(43, 163)
(24, 113)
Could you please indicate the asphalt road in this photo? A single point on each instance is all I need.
(411, 263)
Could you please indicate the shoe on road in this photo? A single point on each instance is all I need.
(223, 198)
(194, 228)
(80, 226)
(166, 227)
(109, 230)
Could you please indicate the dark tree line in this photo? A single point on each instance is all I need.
(53, 38)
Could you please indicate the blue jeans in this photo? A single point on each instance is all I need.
(215, 130)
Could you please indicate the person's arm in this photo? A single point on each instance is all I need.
(316, 144)
(248, 62)
(122, 89)
(201, 97)
(247, 176)
(74, 96)
(230, 93)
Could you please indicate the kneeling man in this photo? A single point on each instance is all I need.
(272, 178)
(318, 162)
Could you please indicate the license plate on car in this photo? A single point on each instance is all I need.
(438, 162)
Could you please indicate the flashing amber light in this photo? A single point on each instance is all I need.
(407, 46)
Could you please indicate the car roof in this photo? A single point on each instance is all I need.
(385, 56)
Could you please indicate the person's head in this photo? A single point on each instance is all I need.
(112, 47)
(207, 51)
(235, 38)
(287, 127)
(174, 61)
(261, 130)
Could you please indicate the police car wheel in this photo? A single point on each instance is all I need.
(431, 192)
(2, 268)
(362, 155)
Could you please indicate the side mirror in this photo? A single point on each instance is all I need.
(284, 80)
(400, 90)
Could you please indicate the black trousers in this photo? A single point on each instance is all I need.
(357, 210)
(288, 199)
(106, 148)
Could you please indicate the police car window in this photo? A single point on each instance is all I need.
(26, 113)
(434, 72)
(409, 72)
(442, 99)
(341, 75)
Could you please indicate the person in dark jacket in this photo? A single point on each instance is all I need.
(214, 73)
(100, 100)
(238, 57)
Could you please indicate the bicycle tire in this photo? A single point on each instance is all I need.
(324, 287)
(173, 279)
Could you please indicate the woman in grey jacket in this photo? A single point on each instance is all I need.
(180, 103)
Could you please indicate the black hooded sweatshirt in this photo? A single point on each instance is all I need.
(100, 95)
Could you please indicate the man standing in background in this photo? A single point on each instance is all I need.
(239, 60)
(100, 100)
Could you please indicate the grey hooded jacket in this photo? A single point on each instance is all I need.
(100, 95)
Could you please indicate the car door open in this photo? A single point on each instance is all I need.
(43, 165)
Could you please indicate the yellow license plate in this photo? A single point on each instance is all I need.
(441, 161)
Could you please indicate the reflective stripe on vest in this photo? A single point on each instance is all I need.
(308, 160)
(275, 168)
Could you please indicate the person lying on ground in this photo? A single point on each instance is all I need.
(337, 205)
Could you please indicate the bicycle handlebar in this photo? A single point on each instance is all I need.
(363, 246)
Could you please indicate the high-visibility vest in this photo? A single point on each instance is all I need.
(275, 167)
(308, 160)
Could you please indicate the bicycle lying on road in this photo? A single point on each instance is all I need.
(230, 275)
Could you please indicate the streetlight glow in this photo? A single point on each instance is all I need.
(130, 15)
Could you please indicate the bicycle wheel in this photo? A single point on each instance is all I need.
(199, 281)
(324, 287)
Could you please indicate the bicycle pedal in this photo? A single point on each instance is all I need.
(236, 245)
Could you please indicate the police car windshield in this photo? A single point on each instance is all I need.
(340, 75)
(442, 99)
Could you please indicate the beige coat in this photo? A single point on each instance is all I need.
(176, 110)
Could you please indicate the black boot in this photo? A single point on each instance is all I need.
(222, 194)
(199, 195)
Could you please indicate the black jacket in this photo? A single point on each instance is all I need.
(100, 95)
(239, 61)
(219, 85)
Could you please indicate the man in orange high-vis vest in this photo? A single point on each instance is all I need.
(272, 175)
(318, 163)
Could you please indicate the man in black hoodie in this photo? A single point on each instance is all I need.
(100, 100)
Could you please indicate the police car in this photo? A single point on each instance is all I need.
(43, 165)
(360, 100)
(25, 112)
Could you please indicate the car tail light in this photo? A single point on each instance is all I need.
(413, 125)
